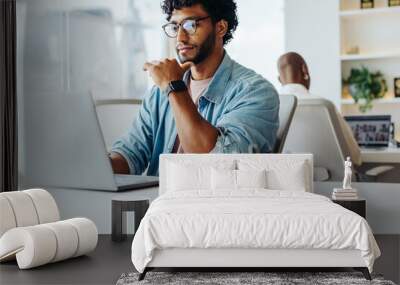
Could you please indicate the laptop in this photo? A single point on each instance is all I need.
(64, 146)
(370, 131)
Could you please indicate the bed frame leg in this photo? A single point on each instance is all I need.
(143, 274)
(364, 271)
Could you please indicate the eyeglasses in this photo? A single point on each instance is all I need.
(189, 26)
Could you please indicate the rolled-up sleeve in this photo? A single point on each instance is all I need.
(250, 124)
(137, 144)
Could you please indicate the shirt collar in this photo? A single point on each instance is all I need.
(215, 90)
(294, 89)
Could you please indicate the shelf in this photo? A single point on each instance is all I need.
(368, 12)
(377, 101)
(369, 56)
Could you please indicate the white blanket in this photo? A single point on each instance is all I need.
(253, 218)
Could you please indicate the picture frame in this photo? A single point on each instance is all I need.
(392, 3)
(367, 4)
(397, 87)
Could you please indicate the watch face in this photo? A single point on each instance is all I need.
(178, 85)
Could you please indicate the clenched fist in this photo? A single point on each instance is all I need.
(165, 71)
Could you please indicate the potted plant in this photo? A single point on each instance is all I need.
(365, 86)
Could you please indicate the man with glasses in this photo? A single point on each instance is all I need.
(205, 102)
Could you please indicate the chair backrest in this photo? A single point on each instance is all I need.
(281, 166)
(316, 129)
(27, 208)
(287, 108)
(116, 117)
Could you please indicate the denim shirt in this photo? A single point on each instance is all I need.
(240, 103)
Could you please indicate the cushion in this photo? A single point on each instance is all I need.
(27, 208)
(294, 180)
(23, 208)
(45, 205)
(190, 176)
(31, 233)
(251, 178)
(290, 175)
(37, 245)
(67, 237)
(7, 215)
(225, 179)
(87, 232)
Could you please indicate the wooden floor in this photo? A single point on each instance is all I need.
(110, 260)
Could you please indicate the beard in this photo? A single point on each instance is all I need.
(204, 50)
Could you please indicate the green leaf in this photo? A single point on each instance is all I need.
(366, 86)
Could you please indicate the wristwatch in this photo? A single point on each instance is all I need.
(175, 86)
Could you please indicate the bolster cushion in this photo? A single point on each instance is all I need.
(37, 245)
(26, 208)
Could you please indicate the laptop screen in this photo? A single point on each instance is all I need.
(370, 130)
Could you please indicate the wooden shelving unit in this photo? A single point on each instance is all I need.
(350, 101)
(374, 32)
(369, 12)
(370, 56)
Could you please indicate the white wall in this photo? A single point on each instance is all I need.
(260, 38)
(98, 45)
(312, 29)
(81, 46)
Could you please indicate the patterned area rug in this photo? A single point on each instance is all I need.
(244, 278)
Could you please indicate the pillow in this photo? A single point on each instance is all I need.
(251, 178)
(184, 175)
(282, 174)
(225, 179)
(293, 180)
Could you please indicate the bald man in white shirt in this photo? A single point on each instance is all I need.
(295, 79)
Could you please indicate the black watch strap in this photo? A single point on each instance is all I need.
(175, 86)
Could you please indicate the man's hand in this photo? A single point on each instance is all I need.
(165, 71)
(118, 163)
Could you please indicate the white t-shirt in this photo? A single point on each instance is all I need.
(196, 89)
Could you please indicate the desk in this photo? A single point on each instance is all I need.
(119, 206)
(381, 155)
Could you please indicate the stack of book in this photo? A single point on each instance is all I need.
(344, 194)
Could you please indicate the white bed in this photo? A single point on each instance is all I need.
(201, 220)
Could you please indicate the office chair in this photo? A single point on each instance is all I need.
(316, 129)
(116, 117)
(287, 108)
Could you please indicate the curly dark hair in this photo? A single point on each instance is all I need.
(217, 9)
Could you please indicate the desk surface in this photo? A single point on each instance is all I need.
(383, 155)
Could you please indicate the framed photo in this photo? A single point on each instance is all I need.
(397, 87)
(367, 4)
(393, 3)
